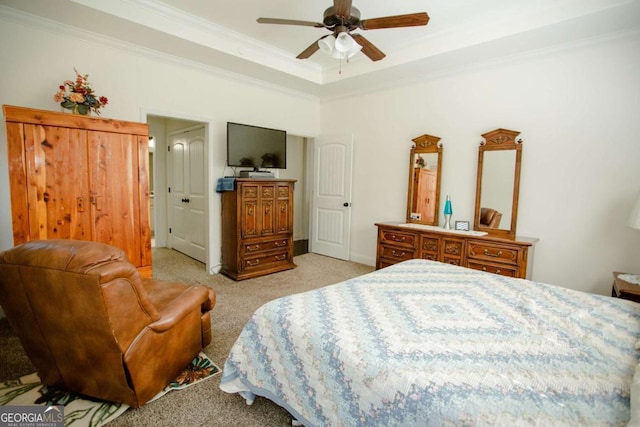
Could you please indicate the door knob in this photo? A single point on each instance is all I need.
(346, 204)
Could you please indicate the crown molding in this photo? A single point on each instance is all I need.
(177, 23)
(55, 27)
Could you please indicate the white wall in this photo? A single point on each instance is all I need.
(577, 111)
(36, 62)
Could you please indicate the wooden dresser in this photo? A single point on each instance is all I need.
(257, 228)
(398, 242)
(80, 177)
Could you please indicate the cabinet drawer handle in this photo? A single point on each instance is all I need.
(396, 238)
(253, 248)
(398, 255)
(281, 244)
(496, 255)
(253, 264)
(280, 257)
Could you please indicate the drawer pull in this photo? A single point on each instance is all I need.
(281, 244)
(496, 255)
(398, 254)
(253, 248)
(396, 238)
(280, 257)
(254, 263)
(484, 268)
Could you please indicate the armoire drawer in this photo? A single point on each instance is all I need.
(257, 247)
(265, 261)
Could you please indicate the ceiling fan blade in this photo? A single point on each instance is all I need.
(289, 22)
(313, 48)
(410, 20)
(342, 8)
(368, 48)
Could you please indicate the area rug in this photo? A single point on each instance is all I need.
(82, 411)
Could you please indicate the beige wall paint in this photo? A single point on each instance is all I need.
(577, 110)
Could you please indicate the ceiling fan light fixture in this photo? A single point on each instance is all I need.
(344, 42)
(327, 44)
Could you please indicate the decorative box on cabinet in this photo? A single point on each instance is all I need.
(513, 258)
(79, 177)
(257, 228)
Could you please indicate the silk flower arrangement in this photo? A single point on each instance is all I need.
(78, 96)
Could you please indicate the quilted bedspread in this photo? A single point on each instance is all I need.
(423, 343)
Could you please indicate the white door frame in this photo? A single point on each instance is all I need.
(213, 230)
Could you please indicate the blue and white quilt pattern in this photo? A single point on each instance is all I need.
(428, 344)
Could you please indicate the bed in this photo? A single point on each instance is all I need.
(425, 343)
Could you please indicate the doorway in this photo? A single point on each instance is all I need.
(161, 129)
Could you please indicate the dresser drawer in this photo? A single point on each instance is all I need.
(452, 248)
(492, 253)
(248, 249)
(396, 253)
(503, 270)
(399, 238)
(452, 260)
(429, 247)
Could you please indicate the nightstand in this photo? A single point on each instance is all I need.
(623, 289)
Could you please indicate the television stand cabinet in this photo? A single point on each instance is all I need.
(257, 228)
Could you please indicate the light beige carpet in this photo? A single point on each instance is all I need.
(80, 411)
(204, 404)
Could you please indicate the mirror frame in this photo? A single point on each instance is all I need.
(499, 139)
(424, 144)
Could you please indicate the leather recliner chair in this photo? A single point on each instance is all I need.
(91, 325)
(490, 218)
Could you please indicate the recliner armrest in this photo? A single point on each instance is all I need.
(193, 298)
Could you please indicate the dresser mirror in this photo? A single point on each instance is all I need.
(498, 183)
(425, 167)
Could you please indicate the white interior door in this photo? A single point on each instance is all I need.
(331, 198)
(187, 196)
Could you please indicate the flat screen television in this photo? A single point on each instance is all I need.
(256, 147)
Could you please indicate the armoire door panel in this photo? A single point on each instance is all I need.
(249, 218)
(113, 176)
(18, 183)
(56, 174)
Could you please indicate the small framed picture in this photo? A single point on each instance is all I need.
(462, 225)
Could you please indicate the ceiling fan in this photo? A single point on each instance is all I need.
(342, 18)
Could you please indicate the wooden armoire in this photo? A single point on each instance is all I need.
(257, 228)
(424, 196)
(80, 177)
